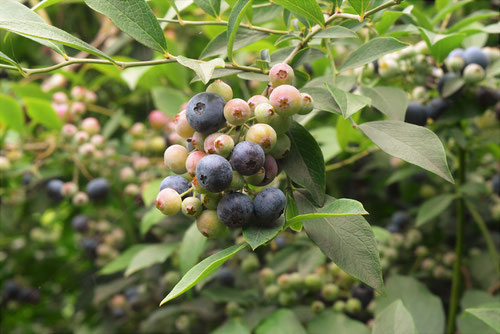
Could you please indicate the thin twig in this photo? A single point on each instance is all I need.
(351, 159)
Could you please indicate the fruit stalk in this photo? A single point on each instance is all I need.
(456, 286)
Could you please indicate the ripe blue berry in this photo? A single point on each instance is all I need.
(416, 114)
(271, 170)
(235, 210)
(97, 189)
(54, 190)
(269, 205)
(205, 112)
(214, 173)
(437, 107)
(225, 277)
(176, 182)
(475, 55)
(247, 158)
(400, 219)
(80, 223)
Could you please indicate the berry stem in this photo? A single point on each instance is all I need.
(187, 192)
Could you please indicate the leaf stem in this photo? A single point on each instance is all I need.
(456, 284)
(224, 23)
(351, 159)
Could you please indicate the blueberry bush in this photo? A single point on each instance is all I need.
(328, 166)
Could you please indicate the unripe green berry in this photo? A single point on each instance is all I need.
(237, 182)
(473, 73)
(191, 207)
(449, 258)
(182, 323)
(168, 201)
(198, 141)
(307, 104)
(271, 292)
(339, 306)
(313, 282)
(267, 276)
(250, 264)
(262, 134)
(221, 88)
(428, 264)
(182, 126)
(171, 278)
(296, 281)
(175, 158)
(317, 306)
(287, 298)
(282, 147)
(233, 309)
(353, 305)
(224, 145)
(209, 224)
(256, 178)
(421, 251)
(413, 237)
(439, 272)
(333, 269)
(330, 292)
(284, 282)
(210, 200)
(264, 112)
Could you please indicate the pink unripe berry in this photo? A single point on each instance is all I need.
(139, 145)
(157, 144)
(209, 224)
(281, 74)
(91, 125)
(127, 174)
(307, 104)
(97, 140)
(60, 98)
(78, 108)
(221, 88)
(158, 120)
(68, 130)
(174, 138)
(55, 81)
(182, 126)
(80, 198)
(137, 130)
(132, 190)
(255, 100)
(168, 201)
(237, 111)
(192, 161)
(262, 134)
(141, 163)
(86, 150)
(63, 112)
(90, 96)
(78, 93)
(81, 137)
(224, 145)
(198, 141)
(286, 100)
(69, 189)
(175, 158)
(209, 144)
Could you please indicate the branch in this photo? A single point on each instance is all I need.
(224, 23)
(351, 160)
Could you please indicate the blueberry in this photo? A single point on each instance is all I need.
(416, 114)
(437, 107)
(225, 277)
(457, 53)
(10, 290)
(205, 112)
(29, 295)
(97, 189)
(118, 313)
(247, 158)
(27, 178)
(400, 219)
(269, 205)
(495, 184)
(89, 245)
(487, 97)
(176, 182)
(132, 295)
(54, 190)
(393, 228)
(363, 293)
(214, 173)
(235, 210)
(475, 55)
(80, 223)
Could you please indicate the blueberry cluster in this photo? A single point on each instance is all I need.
(233, 147)
(14, 291)
(96, 190)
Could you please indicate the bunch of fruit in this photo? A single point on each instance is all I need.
(233, 148)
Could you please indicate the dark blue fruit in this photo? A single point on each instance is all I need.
(393, 228)
(235, 210)
(54, 190)
(247, 158)
(475, 55)
(80, 223)
(400, 219)
(118, 313)
(205, 112)
(416, 114)
(437, 107)
(10, 290)
(269, 204)
(97, 189)
(214, 173)
(27, 178)
(495, 184)
(29, 295)
(176, 182)
(225, 277)
(487, 97)
(363, 293)
(89, 245)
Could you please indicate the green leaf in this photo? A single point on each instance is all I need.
(433, 207)
(441, 45)
(489, 313)
(148, 256)
(322, 99)
(387, 20)
(449, 9)
(237, 14)
(336, 32)
(468, 323)
(232, 326)
(347, 102)
(12, 9)
(204, 70)
(44, 4)
(493, 28)
(391, 101)
(150, 218)
(168, 100)
(135, 18)
(309, 260)
(224, 294)
(348, 241)
(336, 323)
(282, 321)
(50, 33)
(253, 76)
(291, 211)
(192, 246)
(338, 208)
(381, 234)
(414, 144)
(425, 308)
(202, 270)
(360, 6)
(473, 17)
(150, 192)
(42, 112)
(122, 261)
(394, 319)
(307, 8)
(452, 85)
(326, 137)
(371, 51)
(11, 113)
(113, 124)
(304, 164)
(211, 7)
(7, 59)
(244, 37)
(256, 235)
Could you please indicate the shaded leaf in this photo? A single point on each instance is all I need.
(11, 113)
(204, 70)
(192, 246)
(489, 314)
(232, 326)
(394, 319)
(256, 235)
(349, 103)
(307, 8)
(237, 14)
(433, 207)
(211, 7)
(168, 100)
(148, 256)
(322, 99)
(283, 321)
(150, 218)
(392, 101)
(122, 261)
(336, 322)
(42, 112)
(150, 192)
